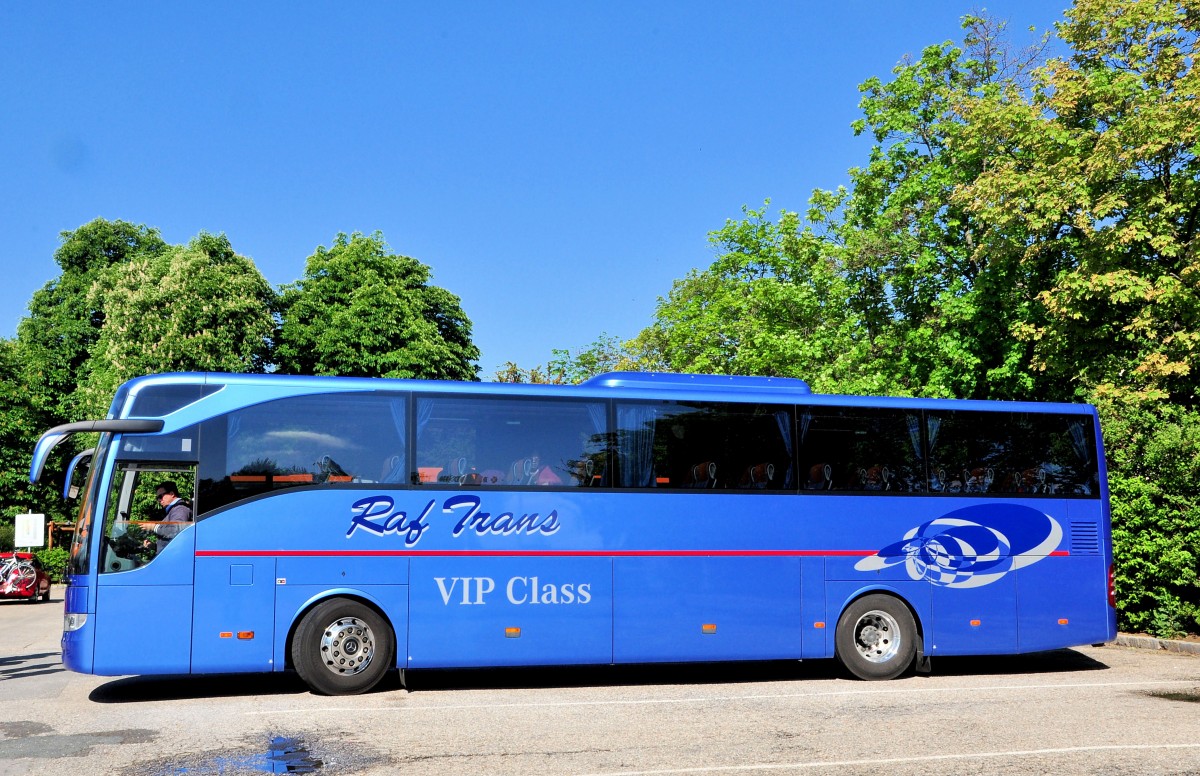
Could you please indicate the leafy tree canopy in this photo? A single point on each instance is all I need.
(362, 310)
(64, 322)
(1094, 183)
(199, 307)
(18, 430)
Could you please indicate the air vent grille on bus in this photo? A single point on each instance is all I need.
(1085, 539)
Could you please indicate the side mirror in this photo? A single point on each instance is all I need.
(78, 463)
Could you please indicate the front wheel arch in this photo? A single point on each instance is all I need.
(316, 600)
(345, 622)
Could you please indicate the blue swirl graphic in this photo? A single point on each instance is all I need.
(971, 547)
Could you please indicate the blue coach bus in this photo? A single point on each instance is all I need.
(343, 527)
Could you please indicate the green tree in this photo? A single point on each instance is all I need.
(19, 430)
(41, 370)
(1153, 452)
(606, 354)
(935, 320)
(1100, 182)
(1097, 188)
(362, 310)
(65, 320)
(773, 303)
(199, 307)
(511, 372)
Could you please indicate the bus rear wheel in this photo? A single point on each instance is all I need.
(876, 637)
(342, 647)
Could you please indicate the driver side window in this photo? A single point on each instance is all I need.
(137, 521)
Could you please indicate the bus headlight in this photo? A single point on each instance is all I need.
(73, 622)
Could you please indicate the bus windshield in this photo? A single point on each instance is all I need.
(79, 562)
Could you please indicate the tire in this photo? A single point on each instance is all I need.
(342, 647)
(876, 637)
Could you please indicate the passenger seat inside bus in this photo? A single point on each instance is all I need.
(460, 474)
(585, 474)
(758, 476)
(520, 471)
(875, 478)
(393, 469)
(978, 479)
(820, 477)
(704, 475)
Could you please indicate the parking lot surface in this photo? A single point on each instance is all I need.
(1082, 711)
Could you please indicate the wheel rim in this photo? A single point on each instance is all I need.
(347, 646)
(24, 578)
(877, 636)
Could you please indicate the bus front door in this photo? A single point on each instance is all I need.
(144, 586)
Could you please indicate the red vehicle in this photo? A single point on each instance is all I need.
(21, 576)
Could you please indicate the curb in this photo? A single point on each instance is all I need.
(1149, 642)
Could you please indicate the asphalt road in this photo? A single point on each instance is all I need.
(1108, 710)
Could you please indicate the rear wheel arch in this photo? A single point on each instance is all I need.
(879, 635)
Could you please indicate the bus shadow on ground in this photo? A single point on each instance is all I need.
(1061, 661)
(140, 689)
(1058, 661)
(620, 675)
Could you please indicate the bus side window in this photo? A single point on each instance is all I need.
(1011, 453)
(860, 450)
(500, 442)
(705, 447)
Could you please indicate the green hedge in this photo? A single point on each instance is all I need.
(54, 562)
(1154, 457)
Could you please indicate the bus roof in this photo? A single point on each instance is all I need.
(182, 399)
(653, 386)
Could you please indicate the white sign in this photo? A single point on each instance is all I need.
(31, 531)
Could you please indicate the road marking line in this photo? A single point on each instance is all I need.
(723, 699)
(898, 760)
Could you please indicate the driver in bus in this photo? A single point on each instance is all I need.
(176, 513)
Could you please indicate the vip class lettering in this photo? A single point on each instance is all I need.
(474, 591)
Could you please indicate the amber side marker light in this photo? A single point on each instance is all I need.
(1063, 621)
(818, 625)
(976, 623)
(512, 633)
(226, 634)
(245, 635)
(708, 628)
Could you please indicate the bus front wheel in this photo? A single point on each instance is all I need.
(342, 647)
(876, 637)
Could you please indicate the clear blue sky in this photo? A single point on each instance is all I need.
(557, 164)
